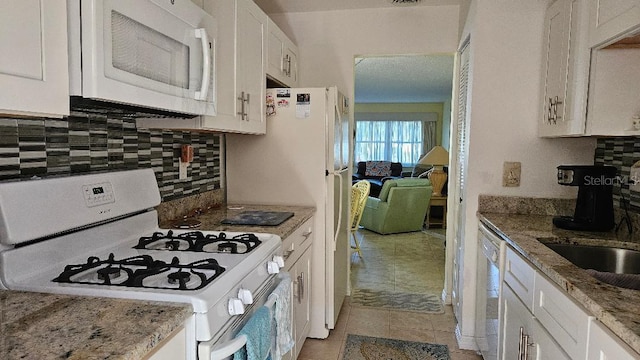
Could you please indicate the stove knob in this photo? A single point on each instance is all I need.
(272, 267)
(279, 260)
(245, 296)
(235, 307)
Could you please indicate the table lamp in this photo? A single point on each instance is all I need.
(438, 157)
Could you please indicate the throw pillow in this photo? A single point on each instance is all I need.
(378, 168)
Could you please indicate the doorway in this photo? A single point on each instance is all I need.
(406, 88)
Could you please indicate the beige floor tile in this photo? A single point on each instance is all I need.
(421, 335)
(314, 349)
(412, 262)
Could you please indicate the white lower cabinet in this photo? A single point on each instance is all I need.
(524, 337)
(301, 299)
(297, 254)
(173, 348)
(541, 321)
(604, 345)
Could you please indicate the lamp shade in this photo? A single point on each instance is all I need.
(437, 156)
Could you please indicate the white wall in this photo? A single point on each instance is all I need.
(506, 53)
(328, 41)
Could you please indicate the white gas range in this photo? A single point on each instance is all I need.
(96, 235)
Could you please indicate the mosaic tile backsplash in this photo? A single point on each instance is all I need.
(621, 152)
(84, 143)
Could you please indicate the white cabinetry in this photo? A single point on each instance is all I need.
(565, 70)
(282, 57)
(604, 345)
(34, 71)
(172, 348)
(240, 63)
(241, 58)
(297, 253)
(540, 321)
(611, 18)
(524, 337)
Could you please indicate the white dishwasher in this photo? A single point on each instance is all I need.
(491, 251)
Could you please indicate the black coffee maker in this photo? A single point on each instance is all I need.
(594, 206)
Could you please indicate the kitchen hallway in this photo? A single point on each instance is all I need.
(411, 262)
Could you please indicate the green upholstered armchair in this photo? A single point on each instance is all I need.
(401, 206)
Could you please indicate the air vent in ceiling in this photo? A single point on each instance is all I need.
(404, 2)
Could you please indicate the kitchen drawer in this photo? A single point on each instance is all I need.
(566, 321)
(520, 276)
(294, 245)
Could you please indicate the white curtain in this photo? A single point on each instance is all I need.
(397, 137)
(429, 129)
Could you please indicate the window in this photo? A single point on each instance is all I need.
(397, 141)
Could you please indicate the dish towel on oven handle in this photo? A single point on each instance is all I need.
(282, 316)
(258, 331)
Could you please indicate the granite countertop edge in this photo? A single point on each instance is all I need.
(617, 308)
(53, 326)
(211, 220)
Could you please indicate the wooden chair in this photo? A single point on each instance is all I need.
(359, 195)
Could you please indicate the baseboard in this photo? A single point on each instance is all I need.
(446, 297)
(465, 342)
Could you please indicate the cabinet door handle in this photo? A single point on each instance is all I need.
(301, 288)
(244, 102)
(520, 350)
(241, 98)
(525, 346)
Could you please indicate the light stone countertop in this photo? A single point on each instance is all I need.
(49, 326)
(211, 220)
(617, 308)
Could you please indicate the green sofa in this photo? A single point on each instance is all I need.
(401, 206)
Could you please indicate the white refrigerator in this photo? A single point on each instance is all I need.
(303, 160)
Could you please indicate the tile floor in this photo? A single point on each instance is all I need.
(412, 262)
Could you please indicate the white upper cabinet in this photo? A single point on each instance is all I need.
(241, 62)
(610, 19)
(282, 57)
(33, 67)
(614, 103)
(565, 70)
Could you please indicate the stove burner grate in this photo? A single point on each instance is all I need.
(199, 242)
(137, 269)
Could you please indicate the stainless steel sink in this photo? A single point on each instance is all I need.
(600, 258)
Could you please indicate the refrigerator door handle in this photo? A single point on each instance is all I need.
(337, 232)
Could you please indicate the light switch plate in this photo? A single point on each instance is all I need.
(511, 174)
(182, 175)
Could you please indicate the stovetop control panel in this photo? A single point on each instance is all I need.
(98, 194)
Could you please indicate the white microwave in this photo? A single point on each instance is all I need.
(154, 54)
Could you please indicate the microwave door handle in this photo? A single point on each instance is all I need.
(228, 349)
(206, 64)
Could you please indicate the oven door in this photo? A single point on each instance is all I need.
(152, 53)
(228, 343)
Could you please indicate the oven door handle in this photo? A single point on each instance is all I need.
(206, 353)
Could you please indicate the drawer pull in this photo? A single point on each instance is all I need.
(307, 234)
(287, 254)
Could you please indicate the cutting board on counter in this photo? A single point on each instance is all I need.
(259, 218)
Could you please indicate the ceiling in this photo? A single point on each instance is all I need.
(401, 79)
(284, 6)
(387, 78)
